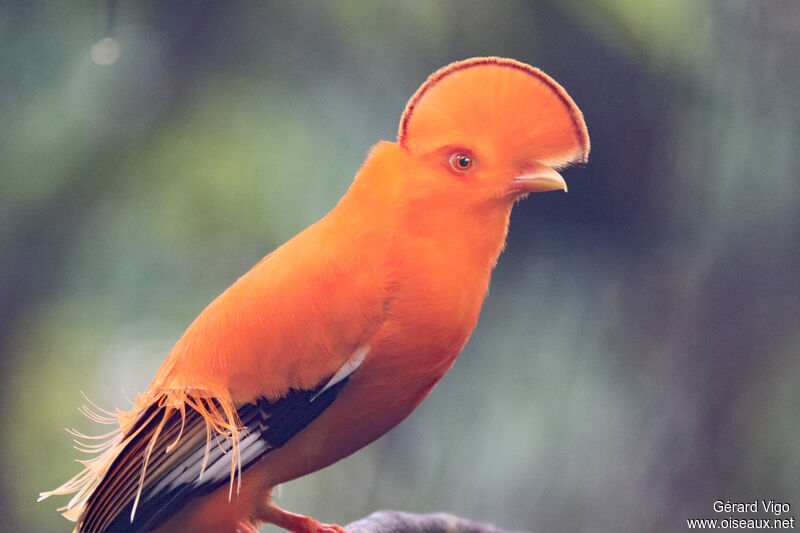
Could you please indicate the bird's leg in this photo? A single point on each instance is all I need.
(294, 522)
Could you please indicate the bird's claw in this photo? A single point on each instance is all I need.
(330, 528)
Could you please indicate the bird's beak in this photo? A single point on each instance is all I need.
(539, 178)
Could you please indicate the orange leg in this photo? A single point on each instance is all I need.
(294, 522)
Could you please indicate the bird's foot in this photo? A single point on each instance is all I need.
(327, 528)
(296, 523)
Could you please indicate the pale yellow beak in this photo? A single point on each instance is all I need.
(539, 178)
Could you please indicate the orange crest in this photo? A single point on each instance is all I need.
(495, 99)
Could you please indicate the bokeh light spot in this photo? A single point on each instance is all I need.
(105, 52)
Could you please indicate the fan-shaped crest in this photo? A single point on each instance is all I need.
(500, 100)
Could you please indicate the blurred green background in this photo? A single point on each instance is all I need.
(638, 355)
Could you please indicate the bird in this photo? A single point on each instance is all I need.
(337, 335)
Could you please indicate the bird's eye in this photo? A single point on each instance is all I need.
(461, 162)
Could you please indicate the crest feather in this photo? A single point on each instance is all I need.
(498, 98)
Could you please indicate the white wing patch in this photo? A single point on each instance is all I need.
(251, 447)
(218, 465)
(346, 369)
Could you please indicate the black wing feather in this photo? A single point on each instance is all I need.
(270, 425)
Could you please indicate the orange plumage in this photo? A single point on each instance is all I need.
(335, 337)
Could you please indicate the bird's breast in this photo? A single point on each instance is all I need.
(437, 302)
(432, 307)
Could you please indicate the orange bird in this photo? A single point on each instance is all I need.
(335, 337)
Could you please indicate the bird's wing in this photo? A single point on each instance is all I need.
(142, 488)
(256, 366)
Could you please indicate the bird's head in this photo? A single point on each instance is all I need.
(492, 128)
